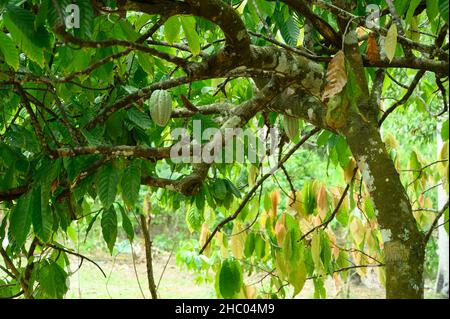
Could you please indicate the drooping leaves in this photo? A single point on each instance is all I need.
(9, 51)
(109, 227)
(42, 217)
(230, 278)
(188, 24)
(21, 216)
(106, 182)
(52, 280)
(172, 29)
(131, 182)
(126, 224)
(21, 25)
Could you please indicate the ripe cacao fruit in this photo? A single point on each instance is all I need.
(291, 126)
(160, 107)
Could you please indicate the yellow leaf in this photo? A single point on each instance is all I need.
(249, 292)
(252, 174)
(381, 273)
(357, 230)
(390, 42)
(336, 76)
(295, 207)
(204, 234)
(238, 240)
(220, 242)
(315, 252)
(348, 171)
(275, 198)
(263, 219)
(322, 202)
(280, 229)
(280, 262)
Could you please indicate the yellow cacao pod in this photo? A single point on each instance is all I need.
(291, 126)
(160, 107)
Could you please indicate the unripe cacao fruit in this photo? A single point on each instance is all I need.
(291, 126)
(160, 107)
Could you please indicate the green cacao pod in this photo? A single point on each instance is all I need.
(160, 107)
(291, 126)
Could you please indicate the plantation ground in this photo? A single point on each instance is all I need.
(88, 282)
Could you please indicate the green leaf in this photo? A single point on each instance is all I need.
(42, 216)
(412, 7)
(446, 219)
(106, 184)
(401, 6)
(147, 63)
(53, 281)
(309, 202)
(91, 223)
(369, 208)
(260, 246)
(232, 188)
(444, 130)
(20, 222)
(20, 24)
(249, 245)
(172, 29)
(390, 42)
(139, 118)
(86, 18)
(109, 227)
(219, 189)
(91, 138)
(230, 278)
(194, 218)
(126, 224)
(432, 9)
(443, 8)
(188, 24)
(131, 182)
(9, 50)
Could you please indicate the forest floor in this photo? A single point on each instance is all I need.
(89, 283)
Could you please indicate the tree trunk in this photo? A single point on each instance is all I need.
(442, 278)
(403, 242)
(148, 256)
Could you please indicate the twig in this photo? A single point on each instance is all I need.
(165, 266)
(249, 195)
(405, 97)
(78, 255)
(433, 225)
(135, 270)
(335, 211)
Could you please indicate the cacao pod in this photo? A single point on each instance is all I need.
(291, 126)
(160, 107)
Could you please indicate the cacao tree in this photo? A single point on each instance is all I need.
(92, 90)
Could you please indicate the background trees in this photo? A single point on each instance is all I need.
(77, 140)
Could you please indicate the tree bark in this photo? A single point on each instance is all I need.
(403, 242)
(148, 257)
(442, 278)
